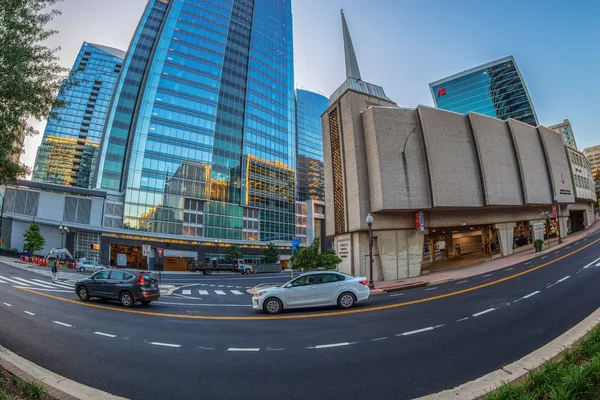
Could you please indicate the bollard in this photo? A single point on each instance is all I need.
(21, 258)
(26, 259)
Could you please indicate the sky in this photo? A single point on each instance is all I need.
(403, 45)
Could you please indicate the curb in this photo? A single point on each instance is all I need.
(55, 385)
(518, 371)
(388, 289)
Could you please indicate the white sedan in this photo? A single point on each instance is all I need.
(88, 266)
(313, 289)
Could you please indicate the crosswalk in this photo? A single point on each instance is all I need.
(217, 292)
(38, 284)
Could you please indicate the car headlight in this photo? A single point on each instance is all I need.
(258, 294)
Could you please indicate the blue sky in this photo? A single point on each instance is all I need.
(404, 45)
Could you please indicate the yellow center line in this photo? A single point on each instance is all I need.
(322, 315)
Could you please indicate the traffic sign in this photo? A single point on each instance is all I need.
(159, 252)
(295, 245)
(146, 250)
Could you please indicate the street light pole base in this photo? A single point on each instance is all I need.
(371, 285)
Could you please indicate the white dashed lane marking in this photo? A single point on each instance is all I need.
(105, 334)
(63, 324)
(327, 346)
(28, 312)
(397, 294)
(165, 344)
(433, 288)
(528, 296)
(559, 281)
(429, 328)
(484, 312)
(8, 305)
(461, 282)
(379, 339)
(462, 319)
(243, 349)
(485, 276)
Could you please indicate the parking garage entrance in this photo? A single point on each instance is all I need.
(456, 247)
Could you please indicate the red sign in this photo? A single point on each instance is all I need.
(441, 92)
(562, 178)
(419, 221)
(159, 251)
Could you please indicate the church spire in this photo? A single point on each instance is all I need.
(352, 70)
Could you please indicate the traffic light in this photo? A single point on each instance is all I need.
(95, 247)
(419, 221)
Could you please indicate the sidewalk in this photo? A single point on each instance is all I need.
(458, 273)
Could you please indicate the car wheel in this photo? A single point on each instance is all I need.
(273, 306)
(146, 302)
(83, 293)
(346, 300)
(81, 269)
(126, 299)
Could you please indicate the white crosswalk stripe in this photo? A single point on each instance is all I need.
(44, 285)
(203, 292)
(13, 281)
(236, 292)
(1, 281)
(220, 292)
(186, 292)
(56, 284)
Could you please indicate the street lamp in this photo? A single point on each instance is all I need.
(1, 218)
(558, 219)
(369, 223)
(63, 229)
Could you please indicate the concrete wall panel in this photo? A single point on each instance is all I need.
(397, 181)
(499, 166)
(558, 163)
(452, 159)
(51, 206)
(531, 157)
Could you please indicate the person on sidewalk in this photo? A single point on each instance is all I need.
(54, 270)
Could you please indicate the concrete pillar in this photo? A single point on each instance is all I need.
(505, 236)
(449, 244)
(400, 253)
(431, 250)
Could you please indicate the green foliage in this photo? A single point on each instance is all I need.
(33, 239)
(30, 77)
(308, 258)
(539, 242)
(271, 254)
(329, 260)
(233, 253)
(33, 390)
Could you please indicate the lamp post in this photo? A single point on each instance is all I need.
(1, 218)
(370, 223)
(63, 229)
(558, 219)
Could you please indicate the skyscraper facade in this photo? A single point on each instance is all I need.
(309, 161)
(566, 131)
(496, 89)
(200, 136)
(69, 149)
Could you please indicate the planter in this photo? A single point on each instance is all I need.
(538, 248)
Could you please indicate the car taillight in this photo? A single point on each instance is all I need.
(363, 282)
(141, 280)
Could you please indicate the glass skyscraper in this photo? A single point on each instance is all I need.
(495, 89)
(566, 131)
(200, 135)
(69, 149)
(309, 161)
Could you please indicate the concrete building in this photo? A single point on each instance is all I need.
(496, 89)
(566, 130)
(593, 156)
(580, 214)
(477, 180)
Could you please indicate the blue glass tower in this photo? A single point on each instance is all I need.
(496, 89)
(200, 136)
(69, 149)
(309, 161)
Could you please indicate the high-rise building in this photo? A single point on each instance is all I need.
(69, 149)
(495, 89)
(593, 155)
(200, 135)
(566, 131)
(309, 159)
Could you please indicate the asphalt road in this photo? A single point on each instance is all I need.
(396, 346)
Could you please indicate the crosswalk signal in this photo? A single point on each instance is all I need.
(95, 247)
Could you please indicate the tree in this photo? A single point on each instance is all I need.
(308, 258)
(233, 253)
(329, 260)
(33, 239)
(30, 77)
(271, 254)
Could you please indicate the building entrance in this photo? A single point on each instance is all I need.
(577, 221)
(131, 256)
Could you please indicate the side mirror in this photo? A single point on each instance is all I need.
(289, 285)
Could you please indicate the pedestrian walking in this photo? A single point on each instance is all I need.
(54, 270)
